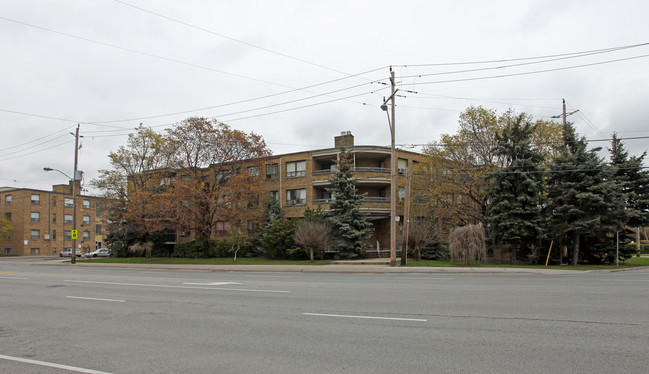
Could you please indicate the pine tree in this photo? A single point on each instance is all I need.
(516, 192)
(629, 172)
(350, 227)
(586, 203)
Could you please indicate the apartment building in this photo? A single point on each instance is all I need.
(300, 181)
(42, 221)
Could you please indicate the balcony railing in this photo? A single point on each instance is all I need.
(369, 199)
(360, 169)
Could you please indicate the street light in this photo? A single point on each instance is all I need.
(393, 175)
(73, 253)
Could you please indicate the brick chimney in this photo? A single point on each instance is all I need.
(346, 139)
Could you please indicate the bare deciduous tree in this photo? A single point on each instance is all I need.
(312, 234)
(421, 232)
(468, 243)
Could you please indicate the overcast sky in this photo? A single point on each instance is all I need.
(300, 72)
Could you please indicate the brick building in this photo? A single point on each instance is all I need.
(42, 221)
(300, 181)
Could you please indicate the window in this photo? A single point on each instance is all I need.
(67, 219)
(35, 234)
(185, 231)
(7, 251)
(53, 217)
(402, 194)
(8, 199)
(53, 200)
(99, 210)
(271, 172)
(273, 195)
(402, 165)
(67, 235)
(222, 227)
(296, 197)
(252, 226)
(296, 169)
(98, 229)
(8, 216)
(86, 220)
(53, 234)
(253, 171)
(68, 202)
(86, 204)
(35, 251)
(86, 235)
(35, 217)
(253, 201)
(36, 199)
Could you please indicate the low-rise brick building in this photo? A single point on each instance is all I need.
(42, 221)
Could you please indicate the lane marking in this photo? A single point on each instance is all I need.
(624, 280)
(365, 317)
(212, 283)
(423, 278)
(13, 278)
(95, 298)
(52, 365)
(181, 287)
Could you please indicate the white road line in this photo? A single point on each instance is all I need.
(624, 280)
(94, 298)
(182, 287)
(52, 365)
(365, 317)
(423, 277)
(13, 278)
(212, 283)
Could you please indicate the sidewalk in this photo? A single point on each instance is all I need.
(365, 266)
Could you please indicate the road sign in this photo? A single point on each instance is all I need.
(75, 234)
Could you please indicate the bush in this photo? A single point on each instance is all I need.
(298, 253)
(277, 239)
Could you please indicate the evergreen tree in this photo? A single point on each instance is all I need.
(629, 172)
(516, 192)
(586, 203)
(350, 227)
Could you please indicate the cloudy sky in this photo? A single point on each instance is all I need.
(300, 72)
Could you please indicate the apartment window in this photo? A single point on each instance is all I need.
(8, 199)
(99, 210)
(272, 171)
(273, 195)
(402, 194)
(36, 199)
(67, 219)
(296, 197)
(402, 165)
(53, 217)
(35, 251)
(296, 169)
(53, 234)
(86, 204)
(68, 202)
(252, 226)
(35, 217)
(86, 235)
(86, 220)
(253, 201)
(53, 200)
(222, 227)
(7, 251)
(35, 234)
(98, 229)
(8, 216)
(67, 235)
(253, 171)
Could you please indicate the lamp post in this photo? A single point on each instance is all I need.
(73, 253)
(393, 174)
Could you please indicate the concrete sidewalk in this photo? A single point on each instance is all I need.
(365, 266)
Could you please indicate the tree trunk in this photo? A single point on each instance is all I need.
(575, 251)
(418, 250)
(311, 253)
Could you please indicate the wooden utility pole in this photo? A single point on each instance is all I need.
(406, 218)
(75, 233)
(393, 181)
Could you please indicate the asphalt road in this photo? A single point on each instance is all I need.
(94, 320)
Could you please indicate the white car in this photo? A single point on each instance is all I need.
(101, 252)
(67, 252)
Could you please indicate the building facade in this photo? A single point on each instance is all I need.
(43, 221)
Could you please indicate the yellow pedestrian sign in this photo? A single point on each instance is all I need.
(75, 234)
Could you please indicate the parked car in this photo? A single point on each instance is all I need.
(66, 253)
(101, 252)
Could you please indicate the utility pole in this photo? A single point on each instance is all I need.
(406, 218)
(393, 180)
(73, 254)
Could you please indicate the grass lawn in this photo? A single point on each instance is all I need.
(203, 261)
(630, 263)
